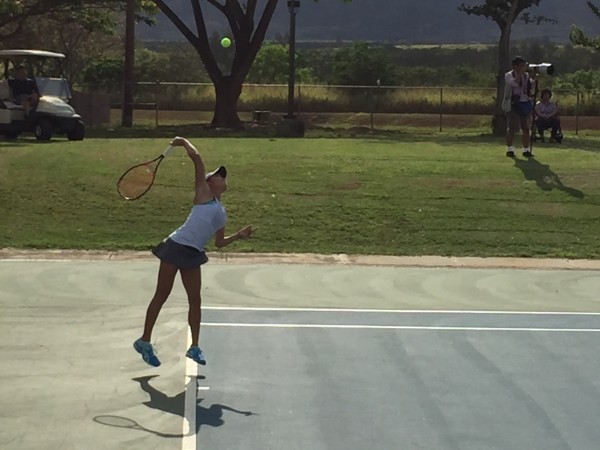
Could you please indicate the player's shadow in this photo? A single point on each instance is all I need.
(211, 416)
(544, 177)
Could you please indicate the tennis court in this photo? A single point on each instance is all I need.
(319, 356)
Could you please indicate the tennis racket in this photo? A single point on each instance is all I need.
(138, 180)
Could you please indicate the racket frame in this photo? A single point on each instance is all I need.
(156, 161)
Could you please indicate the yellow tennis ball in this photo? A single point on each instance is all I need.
(225, 42)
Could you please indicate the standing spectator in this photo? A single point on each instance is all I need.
(517, 105)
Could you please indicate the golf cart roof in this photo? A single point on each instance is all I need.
(38, 53)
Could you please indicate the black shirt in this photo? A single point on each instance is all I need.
(22, 87)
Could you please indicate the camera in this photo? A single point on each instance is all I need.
(541, 69)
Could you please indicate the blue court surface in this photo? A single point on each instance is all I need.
(301, 357)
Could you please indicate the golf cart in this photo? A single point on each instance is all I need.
(51, 113)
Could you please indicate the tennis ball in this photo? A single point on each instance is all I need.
(225, 42)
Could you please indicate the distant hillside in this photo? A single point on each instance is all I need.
(395, 21)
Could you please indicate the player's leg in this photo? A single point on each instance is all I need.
(164, 285)
(192, 282)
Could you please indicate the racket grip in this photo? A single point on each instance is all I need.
(167, 150)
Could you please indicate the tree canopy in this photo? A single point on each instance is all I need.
(363, 65)
(16, 16)
(578, 37)
(84, 30)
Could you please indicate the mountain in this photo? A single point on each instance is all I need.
(393, 21)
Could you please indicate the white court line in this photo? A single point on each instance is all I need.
(399, 311)
(40, 260)
(190, 401)
(393, 327)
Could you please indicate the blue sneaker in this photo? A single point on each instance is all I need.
(145, 349)
(196, 354)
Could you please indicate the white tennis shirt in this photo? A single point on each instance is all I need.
(202, 223)
(519, 86)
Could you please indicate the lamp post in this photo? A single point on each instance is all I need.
(290, 126)
(292, 5)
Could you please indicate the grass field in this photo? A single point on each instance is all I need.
(446, 194)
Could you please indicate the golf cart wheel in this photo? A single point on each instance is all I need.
(43, 130)
(78, 132)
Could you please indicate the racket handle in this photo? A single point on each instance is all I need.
(167, 150)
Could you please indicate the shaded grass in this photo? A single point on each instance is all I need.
(447, 194)
(323, 124)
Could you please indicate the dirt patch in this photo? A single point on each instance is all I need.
(349, 186)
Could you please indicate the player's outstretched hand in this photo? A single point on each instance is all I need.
(178, 141)
(183, 142)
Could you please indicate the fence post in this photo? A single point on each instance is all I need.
(577, 115)
(441, 106)
(375, 94)
(372, 105)
(156, 95)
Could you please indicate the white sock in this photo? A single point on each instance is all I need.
(525, 149)
(510, 148)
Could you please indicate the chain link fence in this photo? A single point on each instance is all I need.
(371, 106)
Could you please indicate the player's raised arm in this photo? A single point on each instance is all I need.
(203, 192)
(194, 156)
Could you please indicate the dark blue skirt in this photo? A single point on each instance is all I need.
(178, 255)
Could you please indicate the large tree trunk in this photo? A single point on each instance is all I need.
(227, 92)
(499, 120)
(248, 39)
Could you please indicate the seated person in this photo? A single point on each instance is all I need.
(24, 89)
(546, 113)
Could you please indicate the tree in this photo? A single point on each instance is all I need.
(248, 36)
(103, 73)
(17, 16)
(578, 37)
(504, 13)
(270, 65)
(106, 73)
(81, 42)
(83, 30)
(363, 65)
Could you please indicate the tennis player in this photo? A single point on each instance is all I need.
(183, 252)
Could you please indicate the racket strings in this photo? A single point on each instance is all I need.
(136, 181)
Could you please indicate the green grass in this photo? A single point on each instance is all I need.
(447, 194)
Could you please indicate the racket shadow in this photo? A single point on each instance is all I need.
(126, 422)
(205, 416)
